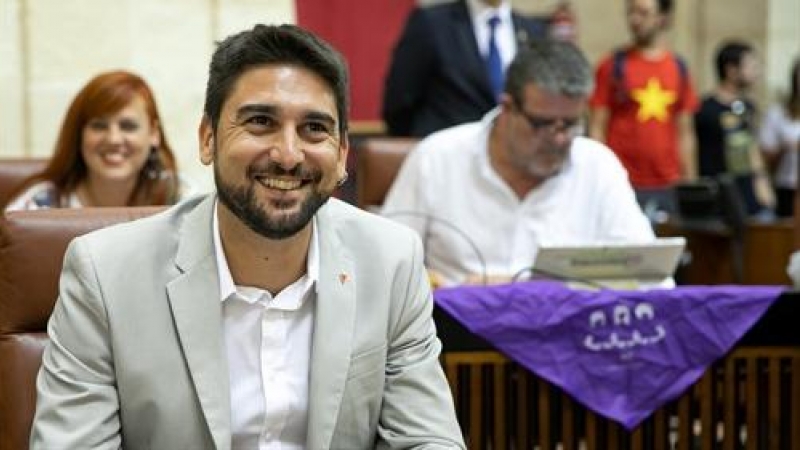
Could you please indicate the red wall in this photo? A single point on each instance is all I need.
(365, 32)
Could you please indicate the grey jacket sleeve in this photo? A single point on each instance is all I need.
(77, 404)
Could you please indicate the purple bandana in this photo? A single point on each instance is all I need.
(621, 353)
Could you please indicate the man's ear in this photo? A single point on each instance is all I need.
(344, 150)
(506, 102)
(206, 136)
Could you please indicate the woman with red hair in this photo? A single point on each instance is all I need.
(111, 151)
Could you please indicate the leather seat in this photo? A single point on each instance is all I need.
(32, 246)
(379, 161)
(14, 170)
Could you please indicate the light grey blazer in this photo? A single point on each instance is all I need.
(136, 357)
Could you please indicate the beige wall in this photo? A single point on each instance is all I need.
(50, 48)
(699, 26)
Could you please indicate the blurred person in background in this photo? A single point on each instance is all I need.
(780, 138)
(642, 108)
(111, 151)
(487, 195)
(449, 64)
(726, 128)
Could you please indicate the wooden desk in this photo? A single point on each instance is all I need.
(763, 253)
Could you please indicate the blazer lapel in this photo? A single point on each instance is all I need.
(196, 307)
(473, 63)
(334, 323)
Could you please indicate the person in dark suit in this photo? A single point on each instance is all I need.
(439, 74)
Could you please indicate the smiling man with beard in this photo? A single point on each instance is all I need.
(267, 316)
(487, 195)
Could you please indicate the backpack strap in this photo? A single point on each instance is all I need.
(683, 74)
(620, 88)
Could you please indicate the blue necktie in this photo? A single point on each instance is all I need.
(494, 65)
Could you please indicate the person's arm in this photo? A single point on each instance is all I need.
(600, 102)
(77, 404)
(598, 123)
(417, 410)
(769, 138)
(793, 267)
(405, 201)
(408, 75)
(688, 146)
(762, 186)
(621, 217)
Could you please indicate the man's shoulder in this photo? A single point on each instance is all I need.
(591, 154)
(438, 13)
(710, 104)
(452, 140)
(445, 152)
(148, 230)
(353, 219)
(365, 230)
(441, 10)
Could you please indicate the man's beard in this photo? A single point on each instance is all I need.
(645, 38)
(534, 168)
(242, 201)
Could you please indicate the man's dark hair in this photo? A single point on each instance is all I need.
(665, 6)
(793, 101)
(730, 54)
(555, 66)
(274, 44)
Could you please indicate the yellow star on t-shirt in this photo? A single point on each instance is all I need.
(653, 101)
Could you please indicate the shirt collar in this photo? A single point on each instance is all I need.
(227, 288)
(481, 12)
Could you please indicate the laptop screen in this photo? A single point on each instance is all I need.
(649, 262)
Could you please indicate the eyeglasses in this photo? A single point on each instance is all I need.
(572, 126)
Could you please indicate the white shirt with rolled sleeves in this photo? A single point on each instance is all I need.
(472, 223)
(779, 131)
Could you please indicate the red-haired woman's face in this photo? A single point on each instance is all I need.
(116, 147)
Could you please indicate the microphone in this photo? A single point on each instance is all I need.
(430, 219)
(517, 277)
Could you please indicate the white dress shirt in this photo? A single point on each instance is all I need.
(781, 131)
(268, 347)
(504, 37)
(472, 223)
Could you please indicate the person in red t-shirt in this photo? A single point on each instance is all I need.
(642, 107)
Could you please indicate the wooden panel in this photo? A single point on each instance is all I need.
(794, 398)
(764, 254)
(750, 395)
(751, 402)
(568, 426)
(523, 423)
(767, 248)
(774, 403)
(660, 430)
(729, 430)
(499, 431)
(545, 440)
(476, 427)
